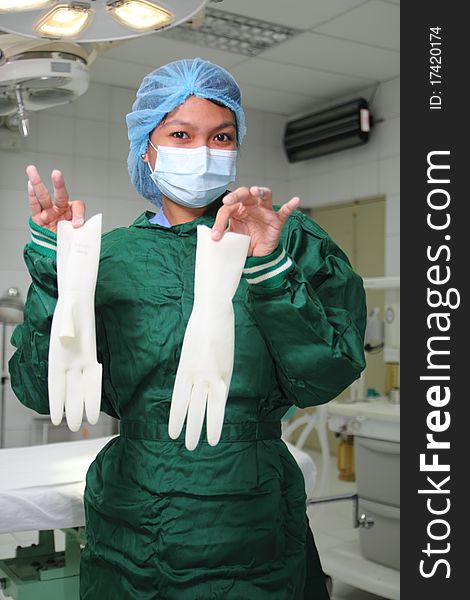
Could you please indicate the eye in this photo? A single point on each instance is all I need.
(180, 135)
(223, 137)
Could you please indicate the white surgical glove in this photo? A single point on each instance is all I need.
(206, 363)
(74, 377)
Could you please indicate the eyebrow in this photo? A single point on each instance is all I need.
(174, 122)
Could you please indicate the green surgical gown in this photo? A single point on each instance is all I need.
(225, 522)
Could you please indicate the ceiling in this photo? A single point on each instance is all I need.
(341, 46)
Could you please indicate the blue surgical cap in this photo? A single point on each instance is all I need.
(160, 92)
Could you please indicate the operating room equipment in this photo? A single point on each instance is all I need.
(74, 377)
(206, 363)
(11, 313)
(97, 20)
(41, 489)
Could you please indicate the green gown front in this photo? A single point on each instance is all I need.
(225, 522)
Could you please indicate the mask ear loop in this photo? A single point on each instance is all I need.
(142, 156)
(148, 161)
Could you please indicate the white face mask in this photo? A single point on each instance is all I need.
(193, 177)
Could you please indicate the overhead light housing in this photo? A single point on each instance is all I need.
(19, 5)
(96, 20)
(65, 21)
(227, 31)
(331, 130)
(139, 15)
(34, 77)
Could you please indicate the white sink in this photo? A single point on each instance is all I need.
(375, 418)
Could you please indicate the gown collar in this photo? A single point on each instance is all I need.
(143, 220)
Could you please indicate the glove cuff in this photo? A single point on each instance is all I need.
(42, 240)
(270, 270)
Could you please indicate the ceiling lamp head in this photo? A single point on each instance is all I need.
(139, 15)
(65, 20)
(94, 20)
(18, 5)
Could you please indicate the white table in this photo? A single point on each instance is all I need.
(41, 487)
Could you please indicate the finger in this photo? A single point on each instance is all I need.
(78, 213)
(196, 412)
(179, 405)
(264, 195)
(216, 400)
(40, 190)
(74, 397)
(34, 205)
(61, 196)
(92, 377)
(288, 208)
(240, 195)
(221, 222)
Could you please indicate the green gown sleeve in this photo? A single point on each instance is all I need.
(29, 364)
(310, 308)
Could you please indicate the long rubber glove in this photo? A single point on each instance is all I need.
(206, 363)
(74, 378)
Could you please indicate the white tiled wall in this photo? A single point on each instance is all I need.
(87, 140)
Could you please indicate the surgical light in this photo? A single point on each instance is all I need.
(17, 5)
(64, 20)
(139, 14)
(95, 20)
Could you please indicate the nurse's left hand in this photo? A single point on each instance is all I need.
(250, 211)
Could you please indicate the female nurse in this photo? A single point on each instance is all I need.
(221, 522)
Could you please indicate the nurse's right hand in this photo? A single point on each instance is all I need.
(46, 212)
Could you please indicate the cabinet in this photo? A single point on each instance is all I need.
(378, 487)
(375, 425)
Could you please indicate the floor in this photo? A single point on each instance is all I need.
(333, 531)
(338, 544)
